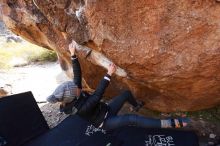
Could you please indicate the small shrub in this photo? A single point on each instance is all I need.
(43, 56)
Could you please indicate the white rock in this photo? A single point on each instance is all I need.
(212, 135)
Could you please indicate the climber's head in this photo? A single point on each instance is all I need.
(65, 93)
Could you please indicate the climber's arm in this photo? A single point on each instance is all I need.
(76, 68)
(92, 101)
(76, 71)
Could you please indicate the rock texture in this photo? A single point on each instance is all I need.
(170, 50)
(3, 92)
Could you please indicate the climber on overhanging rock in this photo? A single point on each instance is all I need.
(157, 51)
(76, 101)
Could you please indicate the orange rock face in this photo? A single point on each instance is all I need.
(170, 50)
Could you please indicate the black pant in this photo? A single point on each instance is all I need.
(115, 121)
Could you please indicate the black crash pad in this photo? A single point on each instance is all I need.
(75, 131)
(20, 119)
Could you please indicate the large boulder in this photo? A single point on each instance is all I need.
(168, 51)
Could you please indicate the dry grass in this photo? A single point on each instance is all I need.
(25, 51)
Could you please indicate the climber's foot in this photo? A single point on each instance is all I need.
(175, 123)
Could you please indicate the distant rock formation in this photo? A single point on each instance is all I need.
(7, 35)
(168, 51)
